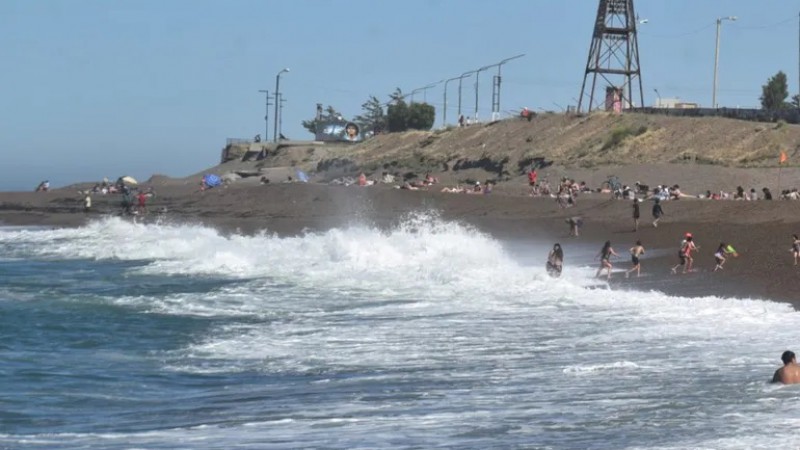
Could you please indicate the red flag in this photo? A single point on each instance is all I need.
(783, 157)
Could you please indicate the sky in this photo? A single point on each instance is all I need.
(101, 88)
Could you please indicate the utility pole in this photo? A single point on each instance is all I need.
(477, 75)
(266, 116)
(280, 118)
(444, 111)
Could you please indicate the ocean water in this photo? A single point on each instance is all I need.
(431, 335)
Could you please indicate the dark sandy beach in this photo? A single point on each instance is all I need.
(761, 231)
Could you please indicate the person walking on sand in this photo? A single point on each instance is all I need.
(635, 214)
(685, 254)
(722, 251)
(795, 248)
(575, 224)
(790, 372)
(605, 259)
(636, 252)
(657, 212)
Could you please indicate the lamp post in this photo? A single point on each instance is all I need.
(444, 110)
(423, 89)
(499, 69)
(276, 132)
(266, 115)
(477, 75)
(659, 97)
(716, 59)
(460, 79)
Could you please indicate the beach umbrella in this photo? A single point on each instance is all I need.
(127, 179)
(212, 180)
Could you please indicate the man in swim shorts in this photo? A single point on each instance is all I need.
(790, 372)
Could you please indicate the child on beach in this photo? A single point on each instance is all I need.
(795, 248)
(722, 251)
(636, 252)
(605, 259)
(657, 212)
(685, 254)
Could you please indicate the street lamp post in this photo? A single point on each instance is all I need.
(444, 110)
(659, 97)
(460, 79)
(266, 115)
(716, 59)
(477, 75)
(275, 131)
(499, 69)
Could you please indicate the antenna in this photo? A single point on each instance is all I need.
(614, 57)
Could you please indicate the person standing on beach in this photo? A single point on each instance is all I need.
(575, 224)
(790, 372)
(635, 214)
(636, 252)
(657, 212)
(795, 248)
(605, 259)
(87, 202)
(685, 254)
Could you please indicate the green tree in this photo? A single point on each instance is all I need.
(373, 118)
(330, 114)
(796, 101)
(421, 116)
(397, 117)
(774, 93)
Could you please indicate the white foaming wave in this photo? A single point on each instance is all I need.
(597, 369)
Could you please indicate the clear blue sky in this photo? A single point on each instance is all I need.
(95, 88)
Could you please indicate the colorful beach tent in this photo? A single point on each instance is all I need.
(212, 180)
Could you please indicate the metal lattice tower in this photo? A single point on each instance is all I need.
(614, 54)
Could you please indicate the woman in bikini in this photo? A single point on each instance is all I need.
(605, 259)
(795, 248)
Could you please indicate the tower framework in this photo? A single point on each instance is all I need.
(614, 58)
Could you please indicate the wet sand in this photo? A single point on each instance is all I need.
(761, 231)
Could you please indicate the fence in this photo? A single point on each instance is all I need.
(753, 115)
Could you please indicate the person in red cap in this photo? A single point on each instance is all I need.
(685, 254)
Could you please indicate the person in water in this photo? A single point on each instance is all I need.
(605, 259)
(555, 261)
(790, 372)
(722, 251)
(795, 248)
(636, 252)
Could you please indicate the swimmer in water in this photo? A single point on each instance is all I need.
(605, 259)
(555, 261)
(790, 372)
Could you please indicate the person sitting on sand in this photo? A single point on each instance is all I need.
(487, 187)
(605, 259)
(555, 261)
(790, 372)
(636, 252)
(362, 179)
(722, 251)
